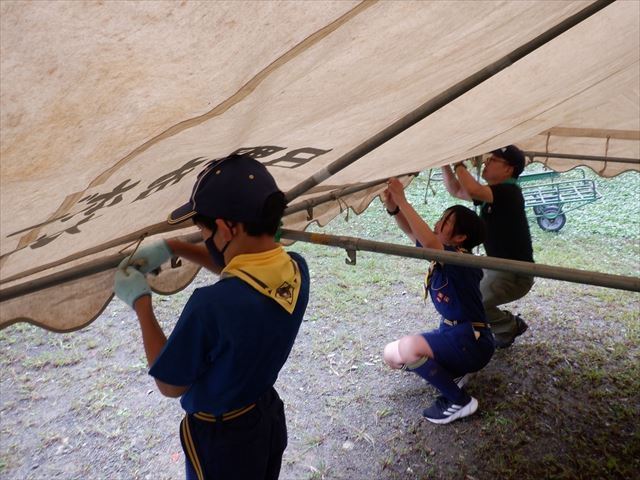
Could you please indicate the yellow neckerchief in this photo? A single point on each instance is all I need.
(429, 276)
(273, 273)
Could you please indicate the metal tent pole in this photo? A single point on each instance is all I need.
(589, 158)
(351, 245)
(75, 273)
(336, 194)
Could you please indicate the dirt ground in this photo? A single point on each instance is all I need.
(563, 402)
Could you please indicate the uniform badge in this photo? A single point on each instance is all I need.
(285, 292)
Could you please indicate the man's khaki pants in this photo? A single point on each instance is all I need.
(497, 289)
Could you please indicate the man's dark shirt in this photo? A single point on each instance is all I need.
(508, 233)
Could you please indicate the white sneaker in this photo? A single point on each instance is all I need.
(444, 410)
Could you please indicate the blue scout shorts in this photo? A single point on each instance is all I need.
(246, 443)
(456, 348)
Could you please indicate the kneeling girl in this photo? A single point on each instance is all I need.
(463, 342)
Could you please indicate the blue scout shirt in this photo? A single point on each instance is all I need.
(229, 344)
(455, 291)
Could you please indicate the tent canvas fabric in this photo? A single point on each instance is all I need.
(110, 109)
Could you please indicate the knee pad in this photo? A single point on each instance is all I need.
(417, 364)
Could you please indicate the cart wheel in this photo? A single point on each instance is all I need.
(538, 209)
(552, 219)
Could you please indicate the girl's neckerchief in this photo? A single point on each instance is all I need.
(433, 265)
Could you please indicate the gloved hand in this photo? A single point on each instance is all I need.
(150, 257)
(130, 284)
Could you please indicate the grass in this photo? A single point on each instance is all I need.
(319, 472)
(54, 358)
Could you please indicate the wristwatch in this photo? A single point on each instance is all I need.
(393, 212)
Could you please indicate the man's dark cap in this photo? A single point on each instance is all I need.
(513, 156)
(234, 188)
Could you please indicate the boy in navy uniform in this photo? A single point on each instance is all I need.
(233, 337)
(508, 236)
(463, 343)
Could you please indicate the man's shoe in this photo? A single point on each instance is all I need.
(464, 379)
(521, 327)
(444, 410)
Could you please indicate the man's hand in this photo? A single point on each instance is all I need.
(150, 257)
(130, 284)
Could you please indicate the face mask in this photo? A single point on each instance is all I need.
(216, 255)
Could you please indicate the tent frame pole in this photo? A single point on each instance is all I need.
(588, 158)
(336, 194)
(351, 245)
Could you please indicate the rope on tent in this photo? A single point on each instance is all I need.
(135, 249)
(546, 150)
(344, 206)
(606, 152)
(426, 190)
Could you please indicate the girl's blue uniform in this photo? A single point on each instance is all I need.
(463, 342)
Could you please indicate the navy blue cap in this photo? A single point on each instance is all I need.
(234, 188)
(513, 156)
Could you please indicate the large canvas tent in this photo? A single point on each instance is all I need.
(110, 109)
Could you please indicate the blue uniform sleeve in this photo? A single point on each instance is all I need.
(190, 347)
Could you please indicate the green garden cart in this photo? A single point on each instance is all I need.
(550, 201)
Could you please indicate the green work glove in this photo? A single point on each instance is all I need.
(130, 285)
(148, 258)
